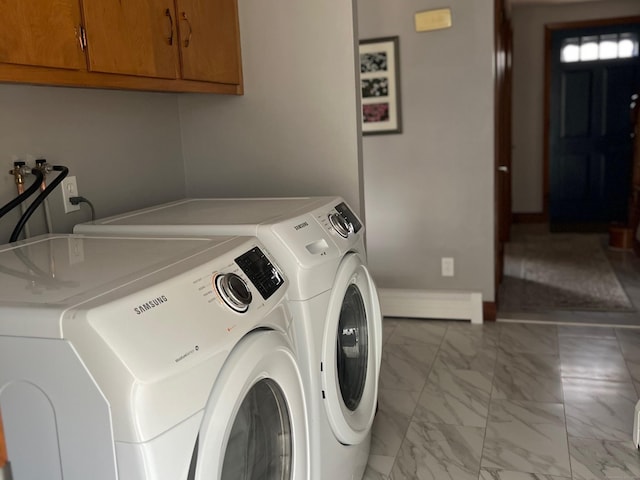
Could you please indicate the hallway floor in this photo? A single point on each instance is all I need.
(625, 265)
(506, 401)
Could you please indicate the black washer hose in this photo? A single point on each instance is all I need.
(64, 171)
(24, 195)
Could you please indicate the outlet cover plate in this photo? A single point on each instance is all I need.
(69, 189)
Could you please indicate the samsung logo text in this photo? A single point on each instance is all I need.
(145, 307)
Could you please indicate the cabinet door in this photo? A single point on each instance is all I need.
(41, 32)
(132, 38)
(209, 40)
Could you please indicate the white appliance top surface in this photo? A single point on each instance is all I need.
(62, 270)
(220, 211)
(297, 231)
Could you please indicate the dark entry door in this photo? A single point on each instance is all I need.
(590, 126)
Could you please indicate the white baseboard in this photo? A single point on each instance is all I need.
(431, 304)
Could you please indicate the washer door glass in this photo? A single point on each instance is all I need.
(259, 445)
(353, 348)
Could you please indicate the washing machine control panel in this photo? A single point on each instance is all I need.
(264, 275)
(345, 212)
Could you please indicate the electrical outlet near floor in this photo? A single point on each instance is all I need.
(69, 188)
(447, 266)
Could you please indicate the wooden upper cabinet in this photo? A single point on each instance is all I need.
(132, 38)
(41, 32)
(158, 45)
(209, 40)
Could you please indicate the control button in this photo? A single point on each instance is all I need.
(341, 225)
(234, 291)
(260, 272)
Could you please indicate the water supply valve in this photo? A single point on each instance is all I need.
(43, 166)
(19, 171)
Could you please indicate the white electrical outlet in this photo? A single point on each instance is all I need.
(69, 189)
(447, 267)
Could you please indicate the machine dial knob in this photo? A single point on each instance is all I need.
(341, 225)
(234, 291)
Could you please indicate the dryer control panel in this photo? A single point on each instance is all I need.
(262, 273)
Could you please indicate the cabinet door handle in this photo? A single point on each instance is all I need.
(82, 37)
(167, 12)
(188, 39)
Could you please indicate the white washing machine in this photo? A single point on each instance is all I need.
(148, 359)
(337, 324)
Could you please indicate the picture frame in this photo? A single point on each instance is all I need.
(380, 85)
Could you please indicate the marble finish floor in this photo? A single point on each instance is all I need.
(506, 401)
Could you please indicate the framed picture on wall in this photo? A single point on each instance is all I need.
(380, 86)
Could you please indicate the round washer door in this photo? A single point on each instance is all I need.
(351, 344)
(255, 424)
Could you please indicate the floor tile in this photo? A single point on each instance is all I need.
(634, 370)
(529, 413)
(593, 345)
(629, 340)
(469, 358)
(602, 459)
(585, 331)
(597, 358)
(486, 330)
(487, 333)
(416, 331)
(388, 326)
(395, 409)
(526, 437)
(599, 409)
(406, 367)
(455, 397)
(529, 338)
(527, 377)
(461, 350)
(510, 475)
(439, 452)
(476, 335)
(378, 467)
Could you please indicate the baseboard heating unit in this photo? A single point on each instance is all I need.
(436, 304)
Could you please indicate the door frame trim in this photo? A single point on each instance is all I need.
(502, 88)
(549, 29)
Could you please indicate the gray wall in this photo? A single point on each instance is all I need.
(123, 147)
(295, 131)
(528, 88)
(429, 191)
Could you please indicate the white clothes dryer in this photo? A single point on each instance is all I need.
(148, 359)
(337, 323)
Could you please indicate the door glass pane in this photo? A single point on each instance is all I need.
(353, 347)
(570, 50)
(589, 48)
(608, 46)
(260, 444)
(628, 45)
